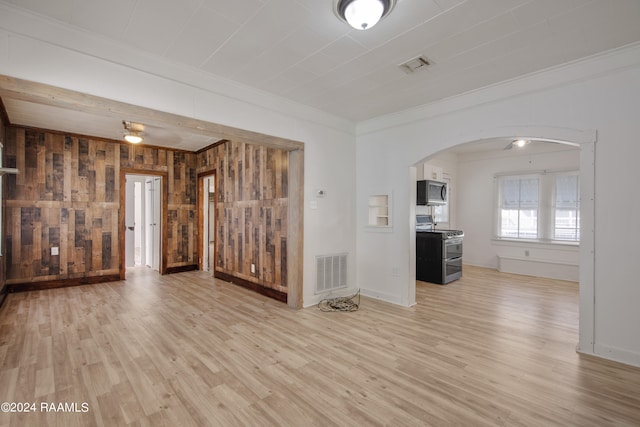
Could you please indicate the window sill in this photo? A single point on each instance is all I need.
(517, 242)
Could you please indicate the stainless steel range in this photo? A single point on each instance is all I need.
(438, 253)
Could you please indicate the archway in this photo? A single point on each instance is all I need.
(585, 140)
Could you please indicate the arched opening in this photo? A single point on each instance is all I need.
(584, 141)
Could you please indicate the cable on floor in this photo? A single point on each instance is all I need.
(340, 303)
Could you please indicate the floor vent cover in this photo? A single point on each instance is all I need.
(331, 272)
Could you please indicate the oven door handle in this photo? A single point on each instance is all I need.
(453, 241)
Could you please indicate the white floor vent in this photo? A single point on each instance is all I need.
(331, 272)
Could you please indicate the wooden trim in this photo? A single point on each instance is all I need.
(97, 138)
(200, 227)
(181, 269)
(4, 290)
(268, 292)
(295, 232)
(164, 237)
(210, 146)
(200, 208)
(121, 216)
(44, 94)
(61, 283)
(4, 116)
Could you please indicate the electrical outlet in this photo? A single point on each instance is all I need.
(55, 250)
(253, 268)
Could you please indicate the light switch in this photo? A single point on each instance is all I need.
(313, 204)
(55, 251)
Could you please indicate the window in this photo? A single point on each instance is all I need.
(519, 207)
(543, 206)
(567, 208)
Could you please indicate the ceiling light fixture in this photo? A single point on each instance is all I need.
(520, 143)
(133, 137)
(362, 14)
(133, 132)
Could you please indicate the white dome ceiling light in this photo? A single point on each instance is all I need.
(362, 14)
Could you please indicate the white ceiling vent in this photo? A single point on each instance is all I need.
(419, 63)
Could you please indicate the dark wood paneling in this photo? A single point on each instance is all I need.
(182, 269)
(62, 283)
(263, 290)
(68, 196)
(251, 212)
(4, 121)
(61, 199)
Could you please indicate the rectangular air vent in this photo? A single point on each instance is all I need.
(419, 63)
(331, 272)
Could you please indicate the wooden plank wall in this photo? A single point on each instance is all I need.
(251, 211)
(67, 196)
(182, 181)
(3, 138)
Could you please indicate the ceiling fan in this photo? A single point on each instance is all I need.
(520, 143)
(133, 132)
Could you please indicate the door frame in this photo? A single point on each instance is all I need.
(164, 204)
(200, 208)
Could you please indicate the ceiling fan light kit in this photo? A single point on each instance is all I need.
(133, 132)
(132, 137)
(520, 143)
(362, 14)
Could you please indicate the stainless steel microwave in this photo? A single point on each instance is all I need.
(431, 193)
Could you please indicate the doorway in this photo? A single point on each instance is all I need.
(207, 221)
(143, 209)
(585, 140)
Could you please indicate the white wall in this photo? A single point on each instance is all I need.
(32, 49)
(476, 208)
(601, 94)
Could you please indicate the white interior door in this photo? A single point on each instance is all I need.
(212, 223)
(129, 222)
(152, 220)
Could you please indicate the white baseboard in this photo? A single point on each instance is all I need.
(614, 354)
(539, 267)
(394, 299)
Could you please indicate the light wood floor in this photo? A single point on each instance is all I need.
(181, 350)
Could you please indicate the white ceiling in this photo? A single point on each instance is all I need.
(299, 50)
